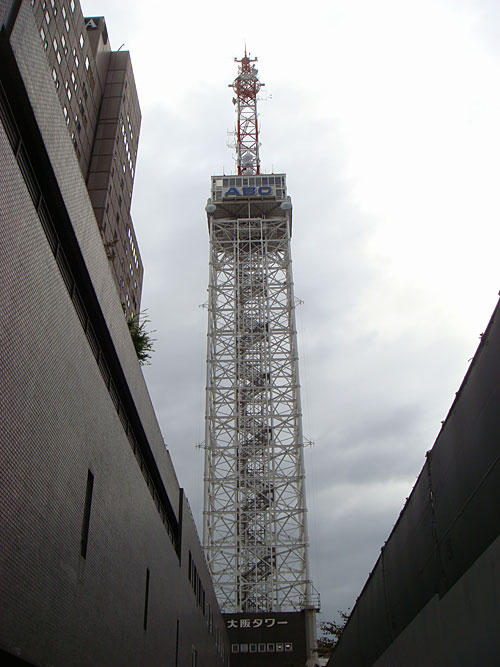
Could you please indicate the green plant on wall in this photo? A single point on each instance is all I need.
(141, 337)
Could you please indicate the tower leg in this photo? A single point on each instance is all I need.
(311, 637)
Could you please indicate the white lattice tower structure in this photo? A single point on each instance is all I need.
(255, 529)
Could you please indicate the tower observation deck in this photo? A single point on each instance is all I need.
(255, 517)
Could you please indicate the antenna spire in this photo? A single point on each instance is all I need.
(246, 87)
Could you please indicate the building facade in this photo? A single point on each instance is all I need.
(100, 561)
(98, 97)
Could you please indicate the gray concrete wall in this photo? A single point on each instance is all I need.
(461, 628)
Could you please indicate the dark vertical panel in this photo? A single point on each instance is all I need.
(86, 514)
(177, 645)
(146, 601)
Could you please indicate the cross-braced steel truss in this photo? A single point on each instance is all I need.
(254, 514)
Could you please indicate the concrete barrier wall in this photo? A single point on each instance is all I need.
(443, 545)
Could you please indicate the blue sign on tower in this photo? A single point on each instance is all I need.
(250, 191)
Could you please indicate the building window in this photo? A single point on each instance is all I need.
(146, 601)
(72, 5)
(47, 17)
(87, 63)
(82, 41)
(66, 22)
(86, 515)
(91, 78)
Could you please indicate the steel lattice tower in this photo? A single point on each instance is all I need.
(255, 529)
(246, 87)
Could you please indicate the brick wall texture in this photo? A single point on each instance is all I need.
(58, 422)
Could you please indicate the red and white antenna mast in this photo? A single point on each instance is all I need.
(246, 87)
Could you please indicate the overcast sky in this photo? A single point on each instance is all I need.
(385, 116)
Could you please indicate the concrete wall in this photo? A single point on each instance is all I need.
(433, 596)
(459, 629)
